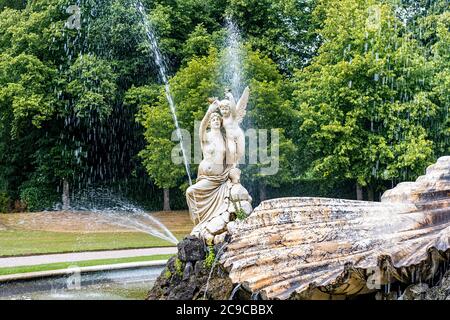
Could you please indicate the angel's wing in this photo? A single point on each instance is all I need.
(241, 107)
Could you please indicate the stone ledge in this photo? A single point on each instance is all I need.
(70, 271)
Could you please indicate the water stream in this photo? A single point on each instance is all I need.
(232, 61)
(218, 255)
(159, 60)
(121, 212)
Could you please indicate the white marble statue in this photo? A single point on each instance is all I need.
(233, 115)
(222, 147)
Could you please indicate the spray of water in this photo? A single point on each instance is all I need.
(159, 60)
(232, 65)
(121, 212)
(235, 290)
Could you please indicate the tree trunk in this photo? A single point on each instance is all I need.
(262, 192)
(359, 192)
(166, 200)
(370, 195)
(66, 195)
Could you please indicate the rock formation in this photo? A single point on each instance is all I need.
(319, 248)
(188, 276)
(439, 292)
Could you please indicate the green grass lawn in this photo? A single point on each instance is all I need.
(89, 263)
(25, 242)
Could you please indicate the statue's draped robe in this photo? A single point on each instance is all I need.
(207, 196)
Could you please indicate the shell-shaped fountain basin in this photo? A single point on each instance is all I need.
(323, 248)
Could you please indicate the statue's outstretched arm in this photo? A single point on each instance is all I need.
(205, 121)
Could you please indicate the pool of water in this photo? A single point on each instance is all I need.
(128, 284)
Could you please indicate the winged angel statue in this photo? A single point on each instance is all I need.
(233, 114)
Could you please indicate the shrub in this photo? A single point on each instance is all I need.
(4, 202)
(37, 198)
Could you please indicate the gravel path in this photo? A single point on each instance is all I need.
(82, 256)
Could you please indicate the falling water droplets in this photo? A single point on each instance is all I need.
(159, 60)
(232, 63)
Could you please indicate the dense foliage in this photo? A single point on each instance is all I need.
(364, 100)
(358, 88)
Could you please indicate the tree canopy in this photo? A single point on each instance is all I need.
(359, 90)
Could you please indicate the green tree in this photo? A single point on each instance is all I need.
(153, 115)
(200, 41)
(361, 100)
(176, 21)
(61, 110)
(28, 79)
(25, 83)
(13, 4)
(93, 88)
(282, 29)
(435, 36)
(270, 107)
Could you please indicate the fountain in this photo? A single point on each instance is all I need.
(294, 248)
(319, 248)
(120, 211)
(286, 248)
